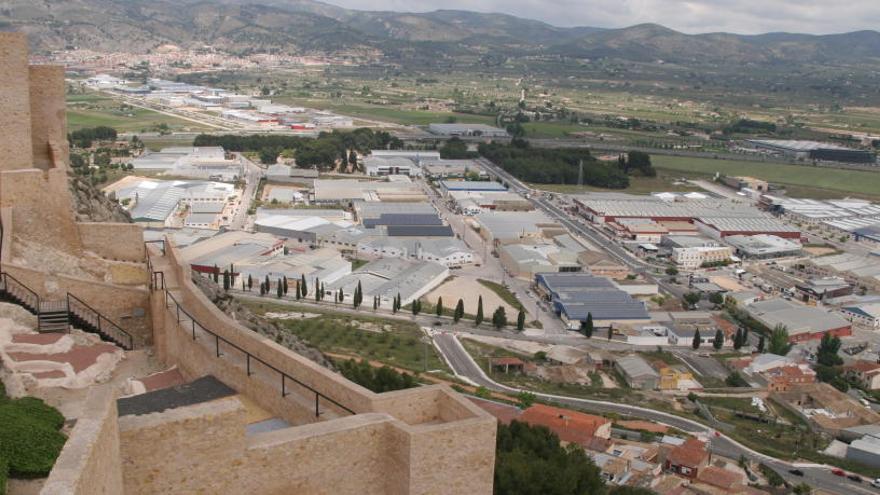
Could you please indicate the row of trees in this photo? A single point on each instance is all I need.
(553, 166)
(323, 152)
(83, 138)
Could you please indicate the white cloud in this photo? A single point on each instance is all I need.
(690, 16)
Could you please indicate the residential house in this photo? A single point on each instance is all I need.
(866, 373)
(688, 458)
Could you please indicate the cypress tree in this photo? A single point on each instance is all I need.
(303, 287)
(322, 292)
(280, 289)
(761, 344)
(610, 332)
(479, 318)
(317, 288)
(284, 281)
(588, 331)
(250, 283)
(439, 308)
(459, 311)
(216, 274)
(697, 340)
(318, 295)
(375, 303)
(341, 295)
(243, 285)
(521, 320)
(226, 280)
(268, 284)
(298, 292)
(719, 339)
(738, 339)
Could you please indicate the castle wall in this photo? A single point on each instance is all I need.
(203, 449)
(114, 241)
(89, 463)
(48, 117)
(15, 146)
(43, 206)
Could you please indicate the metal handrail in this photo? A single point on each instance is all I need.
(26, 295)
(161, 242)
(100, 322)
(284, 376)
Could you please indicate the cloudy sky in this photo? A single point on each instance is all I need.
(690, 16)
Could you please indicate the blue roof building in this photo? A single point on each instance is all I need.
(573, 296)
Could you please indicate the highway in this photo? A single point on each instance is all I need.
(816, 476)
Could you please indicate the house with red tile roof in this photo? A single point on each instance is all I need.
(571, 426)
(722, 478)
(866, 372)
(783, 378)
(688, 458)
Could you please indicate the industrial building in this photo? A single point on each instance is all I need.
(695, 257)
(447, 251)
(573, 296)
(347, 191)
(452, 169)
(527, 227)
(802, 322)
(721, 227)
(863, 315)
(417, 156)
(377, 166)
(206, 162)
(763, 246)
(474, 202)
(863, 268)
(637, 372)
(154, 202)
(446, 186)
(467, 130)
(525, 260)
(812, 150)
(389, 277)
(285, 174)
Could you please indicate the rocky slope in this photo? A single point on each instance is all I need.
(257, 323)
(92, 205)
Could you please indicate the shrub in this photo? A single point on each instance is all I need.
(29, 437)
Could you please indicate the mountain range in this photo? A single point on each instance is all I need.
(311, 27)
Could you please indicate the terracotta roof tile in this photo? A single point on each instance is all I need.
(570, 426)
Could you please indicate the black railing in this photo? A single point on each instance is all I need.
(78, 308)
(19, 292)
(157, 278)
(160, 242)
(249, 358)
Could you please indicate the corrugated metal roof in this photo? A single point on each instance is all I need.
(420, 230)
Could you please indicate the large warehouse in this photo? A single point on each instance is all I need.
(813, 150)
(576, 295)
(467, 130)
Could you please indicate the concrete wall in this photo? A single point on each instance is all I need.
(90, 463)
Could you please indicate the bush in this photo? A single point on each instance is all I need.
(29, 437)
(384, 379)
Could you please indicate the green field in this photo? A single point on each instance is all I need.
(394, 342)
(92, 110)
(637, 185)
(807, 180)
(387, 113)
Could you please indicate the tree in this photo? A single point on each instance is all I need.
(531, 460)
(216, 274)
(521, 320)
(672, 271)
(479, 317)
(321, 292)
(738, 339)
(439, 309)
(415, 308)
(499, 318)
(588, 326)
(250, 282)
(610, 332)
(718, 342)
(226, 280)
(340, 295)
(697, 340)
(716, 298)
(735, 380)
(375, 303)
(459, 311)
(761, 343)
(303, 287)
(827, 352)
(779, 344)
(284, 284)
(358, 295)
(526, 399)
(691, 299)
(268, 284)
(298, 291)
(279, 289)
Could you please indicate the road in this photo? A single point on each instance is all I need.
(253, 173)
(816, 476)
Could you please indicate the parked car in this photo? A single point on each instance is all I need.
(854, 477)
(796, 472)
(876, 483)
(838, 472)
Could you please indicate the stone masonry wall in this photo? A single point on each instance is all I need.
(15, 146)
(203, 449)
(90, 463)
(48, 117)
(114, 241)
